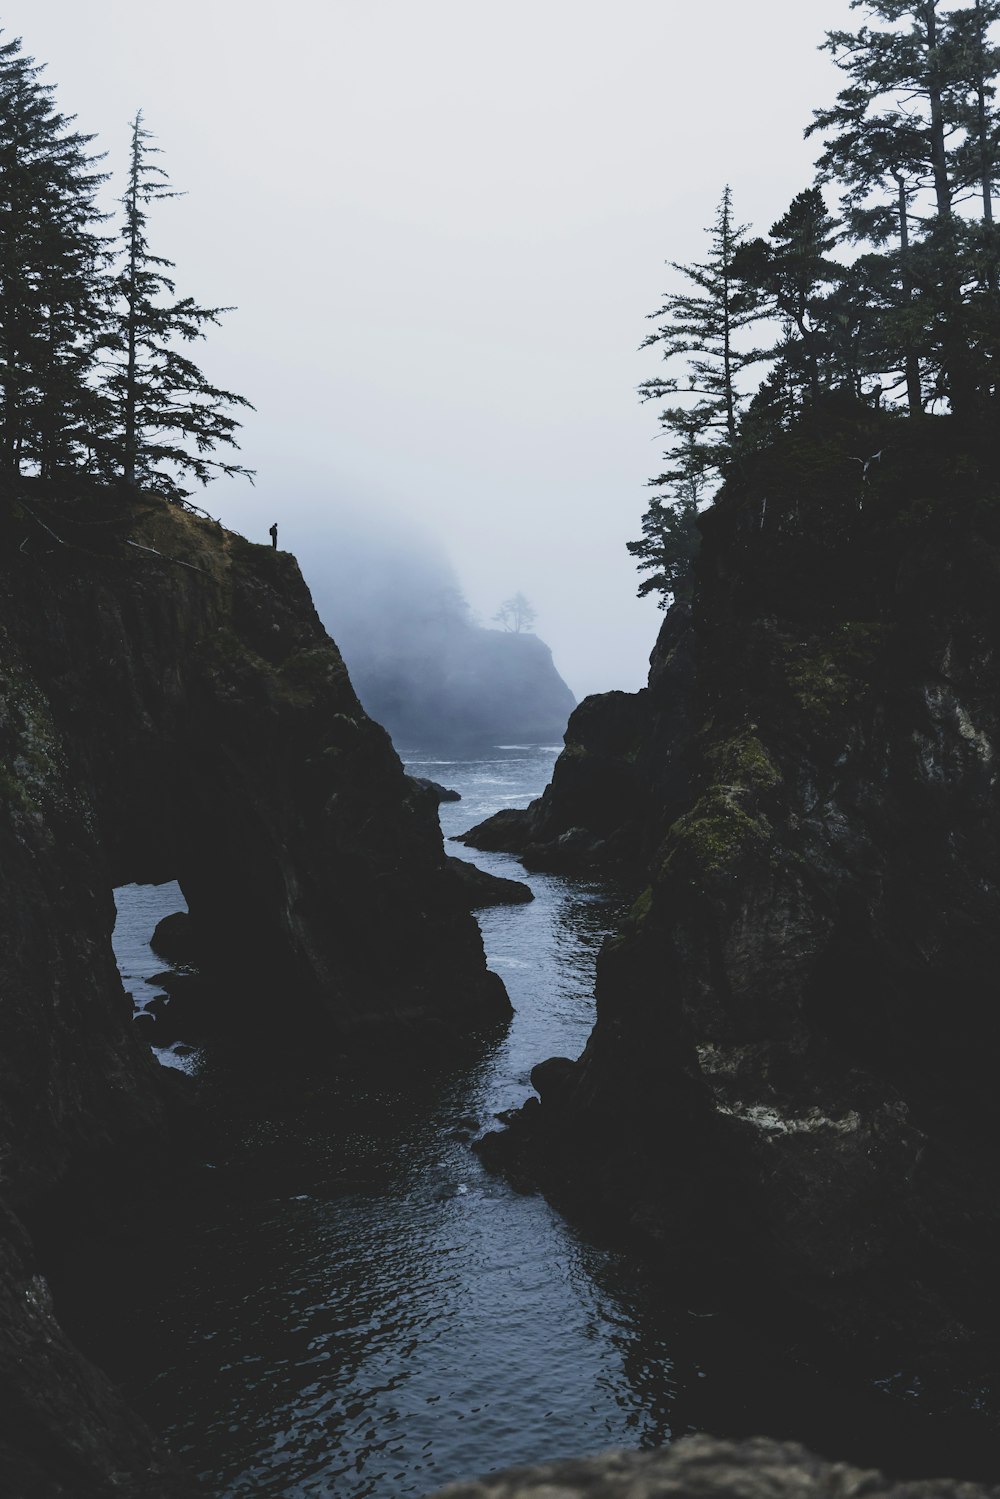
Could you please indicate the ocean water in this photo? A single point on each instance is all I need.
(342, 1303)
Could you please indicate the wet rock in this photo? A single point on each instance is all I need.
(506, 832)
(702, 1467)
(551, 1078)
(436, 790)
(482, 889)
(174, 940)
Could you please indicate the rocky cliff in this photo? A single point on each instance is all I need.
(621, 778)
(791, 1082)
(171, 707)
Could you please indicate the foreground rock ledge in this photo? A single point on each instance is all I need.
(702, 1468)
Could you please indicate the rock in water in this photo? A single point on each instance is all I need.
(482, 889)
(436, 790)
(174, 940)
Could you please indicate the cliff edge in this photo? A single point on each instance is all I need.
(171, 708)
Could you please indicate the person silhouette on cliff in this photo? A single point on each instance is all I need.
(273, 533)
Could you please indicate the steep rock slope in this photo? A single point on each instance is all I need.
(170, 707)
(792, 1075)
(621, 778)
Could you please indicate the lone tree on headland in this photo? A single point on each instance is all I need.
(516, 614)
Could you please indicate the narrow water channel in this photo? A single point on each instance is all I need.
(348, 1305)
(343, 1304)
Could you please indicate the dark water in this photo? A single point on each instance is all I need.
(345, 1304)
(348, 1304)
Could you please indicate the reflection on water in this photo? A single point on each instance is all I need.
(345, 1304)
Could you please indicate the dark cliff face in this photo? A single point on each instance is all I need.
(792, 1075)
(170, 707)
(206, 730)
(622, 777)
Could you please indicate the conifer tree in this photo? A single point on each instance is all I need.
(165, 417)
(670, 536)
(516, 614)
(53, 276)
(793, 275)
(918, 110)
(702, 326)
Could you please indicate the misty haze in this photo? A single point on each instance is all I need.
(421, 663)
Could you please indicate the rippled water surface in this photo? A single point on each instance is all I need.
(345, 1304)
(348, 1304)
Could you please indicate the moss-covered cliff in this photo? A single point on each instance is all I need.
(170, 707)
(792, 1075)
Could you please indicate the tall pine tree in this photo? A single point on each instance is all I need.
(53, 277)
(917, 112)
(702, 325)
(792, 274)
(166, 418)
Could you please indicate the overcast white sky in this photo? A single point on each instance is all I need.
(443, 223)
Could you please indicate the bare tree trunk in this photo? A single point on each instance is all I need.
(131, 332)
(939, 155)
(914, 394)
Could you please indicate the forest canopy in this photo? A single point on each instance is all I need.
(878, 288)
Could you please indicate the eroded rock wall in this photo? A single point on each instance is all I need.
(792, 1075)
(170, 707)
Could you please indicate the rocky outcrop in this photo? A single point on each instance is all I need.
(703, 1468)
(791, 1082)
(181, 694)
(436, 790)
(483, 889)
(64, 1431)
(170, 707)
(621, 778)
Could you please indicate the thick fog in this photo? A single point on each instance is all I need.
(443, 223)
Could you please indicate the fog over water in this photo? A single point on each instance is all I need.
(443, 223)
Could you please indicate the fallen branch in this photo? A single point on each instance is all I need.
(163, 558)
